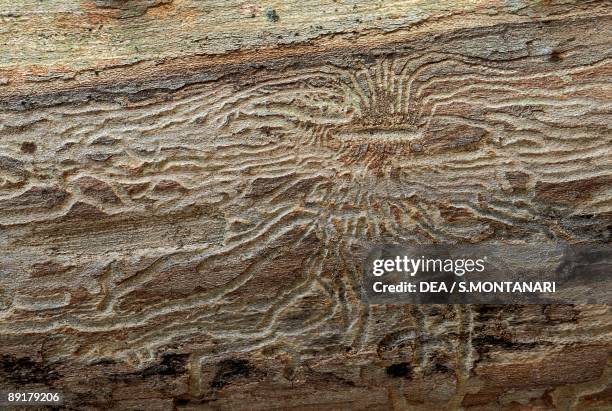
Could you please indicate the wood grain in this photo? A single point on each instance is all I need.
(185, 207)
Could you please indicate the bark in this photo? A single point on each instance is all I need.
(188, 189)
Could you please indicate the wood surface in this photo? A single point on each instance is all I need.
(188, 190)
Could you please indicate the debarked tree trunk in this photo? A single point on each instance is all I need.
(188, 190)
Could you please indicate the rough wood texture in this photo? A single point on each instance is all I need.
(188, 189)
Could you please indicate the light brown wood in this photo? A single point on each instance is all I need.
(188, 190)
